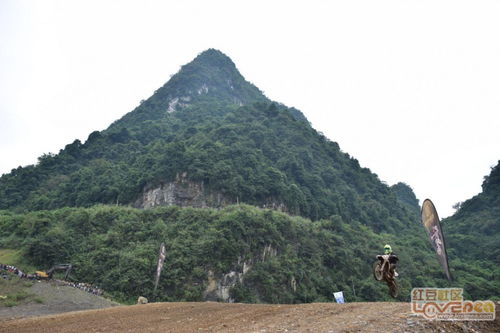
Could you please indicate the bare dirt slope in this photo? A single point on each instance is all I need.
(55, 299)
(220, 317)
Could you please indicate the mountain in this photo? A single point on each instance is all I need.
(211, 78)
(208, 138)
(478, 221)
(253, 203)
(407, 198)
(473, 238)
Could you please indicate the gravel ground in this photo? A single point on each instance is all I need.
(56, 299)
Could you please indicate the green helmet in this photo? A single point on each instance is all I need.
(387, 249)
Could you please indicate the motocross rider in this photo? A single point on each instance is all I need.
(393, 259)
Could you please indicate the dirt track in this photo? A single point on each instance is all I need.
(220, 317)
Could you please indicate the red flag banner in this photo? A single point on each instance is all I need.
(161, 259)
(430, 220)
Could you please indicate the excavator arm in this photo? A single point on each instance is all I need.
(59, 267)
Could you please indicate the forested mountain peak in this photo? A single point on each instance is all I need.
(488, 198)
(210, 77)
(405, 195)
(491, 184)
(210, 138)
(474, 230)
(215, 58)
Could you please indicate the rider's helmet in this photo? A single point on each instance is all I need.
(387, 249)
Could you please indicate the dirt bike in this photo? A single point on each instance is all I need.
(382, 271)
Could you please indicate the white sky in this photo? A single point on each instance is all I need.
(409, 88)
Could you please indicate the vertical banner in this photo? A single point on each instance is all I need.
(430, 220)
(161, 259)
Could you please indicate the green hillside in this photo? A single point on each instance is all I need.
(473, 238)
(210, 130)
(116, 247)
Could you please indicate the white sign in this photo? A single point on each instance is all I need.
(339, 297)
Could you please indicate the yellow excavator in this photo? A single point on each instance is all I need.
(46, 275)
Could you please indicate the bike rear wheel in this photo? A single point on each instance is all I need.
(393, 288)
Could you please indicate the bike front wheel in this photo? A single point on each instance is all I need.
(378, 274)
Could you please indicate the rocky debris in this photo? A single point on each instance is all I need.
(142, 300)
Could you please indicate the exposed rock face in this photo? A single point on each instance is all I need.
(273, 204)
(181, 192)
(293, 284)
(269, 252)
(174, 103)
(218, 289)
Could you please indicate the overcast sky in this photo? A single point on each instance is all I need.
(409, 88)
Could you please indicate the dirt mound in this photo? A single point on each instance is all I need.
(223, 317)
(55, 298)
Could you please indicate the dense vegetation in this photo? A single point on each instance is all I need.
(255, 153)
(116, 248)
(473, 235)
(211, 124)
(407, 198)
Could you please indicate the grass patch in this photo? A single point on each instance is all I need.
(8, 256)
(15, 291)
(20, 296)
(15, 258)
(9, 303)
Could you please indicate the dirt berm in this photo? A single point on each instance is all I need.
(223, 317)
